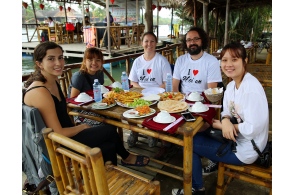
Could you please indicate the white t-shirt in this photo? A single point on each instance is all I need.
(249, 103)
(51, 24)
(150, 73)
(196, 74)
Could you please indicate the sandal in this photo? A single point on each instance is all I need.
(138, 163)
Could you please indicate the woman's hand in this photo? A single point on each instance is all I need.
(216, 124)
(228, 130)
(84, 126)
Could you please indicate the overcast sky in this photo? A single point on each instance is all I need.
(165, 13)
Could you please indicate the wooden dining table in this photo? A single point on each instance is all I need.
(187, 130)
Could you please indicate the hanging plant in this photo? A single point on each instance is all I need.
(60, 8)
(112, 1)
(153, 6)
(69, 8)
(87, 10)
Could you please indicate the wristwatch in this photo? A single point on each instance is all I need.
(225, 117)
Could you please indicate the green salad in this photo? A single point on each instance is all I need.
(138, 102)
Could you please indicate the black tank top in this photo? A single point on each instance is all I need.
(60, 107)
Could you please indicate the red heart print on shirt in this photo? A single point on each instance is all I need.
(195, 72)
(149, 71)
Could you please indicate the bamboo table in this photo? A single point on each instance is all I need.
(187, 130)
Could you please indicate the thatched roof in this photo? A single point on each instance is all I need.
(212, 4)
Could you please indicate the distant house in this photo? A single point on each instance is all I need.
(57, 15)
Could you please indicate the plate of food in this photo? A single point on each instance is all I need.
(173, 106)
(172, 96)
(152, 91)
(139, 112)
(102, 106)
(151, 97)
(136, 102)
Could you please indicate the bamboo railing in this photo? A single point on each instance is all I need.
(128, 58)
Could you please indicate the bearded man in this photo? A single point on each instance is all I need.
(197, 70)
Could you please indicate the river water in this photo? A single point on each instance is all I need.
(28, 64)
(28, 67)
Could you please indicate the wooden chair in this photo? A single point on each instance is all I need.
(79, 169)
(168, 53)
(249, 173)
(70, 36)
(61, 35)
(65, 81)
(52, 33)
(137, 32)
(179, 51)
(78, 32)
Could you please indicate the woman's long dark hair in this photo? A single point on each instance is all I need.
(39, 53)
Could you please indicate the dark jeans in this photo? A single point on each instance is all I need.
(106, 138)
(205, 146)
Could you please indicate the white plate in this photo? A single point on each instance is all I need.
(85, 100)
(95, 106)
(151, 97)
(132, 114)
(104, 90)
(152, 90)
(188, 98)
(125, 106)
(172, 120)
(190, 109)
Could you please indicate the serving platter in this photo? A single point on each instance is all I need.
(132, 113)
(97, 107)
(126, 106)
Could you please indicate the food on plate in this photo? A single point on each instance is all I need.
(211, 91)
(117, 90)
(138, 102)
(143, 110)
(171, 96)
(128, 96)
(108, 100)
(172, 105)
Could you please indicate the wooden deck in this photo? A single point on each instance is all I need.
(77, 49)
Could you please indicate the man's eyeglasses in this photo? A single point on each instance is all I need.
(194, 40)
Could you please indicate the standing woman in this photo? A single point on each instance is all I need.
(44, 93)
(149, 70)
(82, 80)
(244, 101)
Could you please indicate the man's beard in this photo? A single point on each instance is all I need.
(194, 51)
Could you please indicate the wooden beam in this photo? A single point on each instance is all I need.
(203, 1)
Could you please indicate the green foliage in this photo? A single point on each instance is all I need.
(241, 23)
